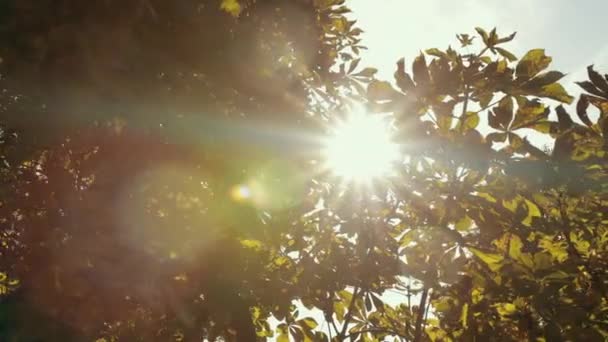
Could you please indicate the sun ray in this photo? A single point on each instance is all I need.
(360, 148)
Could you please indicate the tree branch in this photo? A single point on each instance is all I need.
(421, 310)
(349, 314)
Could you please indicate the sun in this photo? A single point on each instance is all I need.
(360, 148)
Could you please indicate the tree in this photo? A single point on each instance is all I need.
(126, 214)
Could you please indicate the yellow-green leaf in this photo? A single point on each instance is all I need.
(556, 92)
(469, 121)
(464, 223)
(533, 211)
(367, 72)
(542, 261)
(280, 260)
(515, 246)
(533, 62)
(381, 90)
(506, 54)
(506, 309)
(464, 315)
(494, 261)
(253, 244)
(308, 323)
(231, 6)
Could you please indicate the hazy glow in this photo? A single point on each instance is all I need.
(360, 148)
(241, 193)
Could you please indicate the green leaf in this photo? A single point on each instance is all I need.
(464, 223)
(367, 73)
(253, 244)
(526, 260)
(485, 98)
(502, 115)
(557, 249)
(282, 330)
(506, 54)
(492, 260)
(543, 126)
(563, 118)
(506, 309)
(581, 110)
(464, 314)
(308, 323)
(380, 91)
(590, 88)
(544, 79)
(420, 70)
(497, 137)
(556, 92)
(511, 204)
(598, 80)
(515, 246)
(353, 65)
(507, 38)
(542, 261)
(487, 196)
(557, 275)
(443, 304)
(404, 81)
(483, 34)
(493, 38)
(470, 121)
(533, 212)
(231, 6)
(528, 112)
(436, 52)
(581, 245)
(533, 62)
(339, 310)
(281, 260)
(515, 142)
(464, 39)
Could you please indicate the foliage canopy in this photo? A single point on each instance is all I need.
(127, 133)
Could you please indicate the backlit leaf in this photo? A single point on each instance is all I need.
(381, 90)
(533, 62)
(555, 91)
(515, 246)
(492, 260)
(231, 6)
(508, 55)
(404, 81)
(421, 72)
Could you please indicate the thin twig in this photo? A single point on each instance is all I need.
(488, 106)
(426, 313)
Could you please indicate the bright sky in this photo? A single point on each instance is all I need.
(574, 33)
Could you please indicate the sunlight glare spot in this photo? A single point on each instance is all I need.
(241, 193)
(360, 148)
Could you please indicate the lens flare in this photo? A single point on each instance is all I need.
(240, 193)
(360, 148)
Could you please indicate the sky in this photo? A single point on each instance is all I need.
(574, 33)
